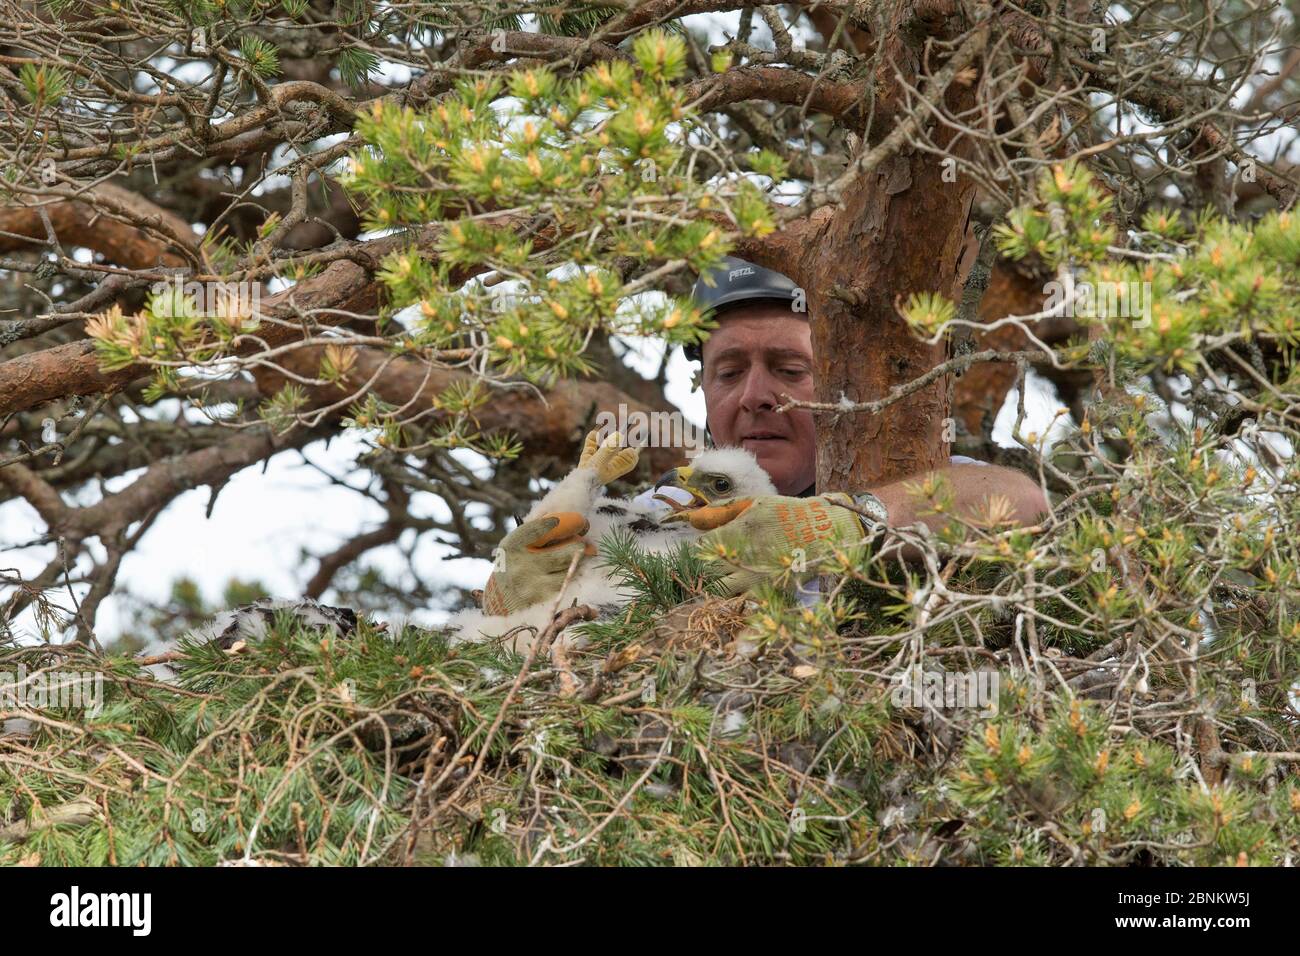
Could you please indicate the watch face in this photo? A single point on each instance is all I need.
(872, 505)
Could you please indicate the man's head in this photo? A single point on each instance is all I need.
(761, 350)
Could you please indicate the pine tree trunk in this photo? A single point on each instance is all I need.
(900, 229)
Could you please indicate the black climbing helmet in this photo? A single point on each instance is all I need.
(737, 281)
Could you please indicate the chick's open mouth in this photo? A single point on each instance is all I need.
(697, 500)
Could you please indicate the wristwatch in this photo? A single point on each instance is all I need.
(873, 506)
(871, 511)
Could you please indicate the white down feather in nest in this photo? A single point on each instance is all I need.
(714, 475)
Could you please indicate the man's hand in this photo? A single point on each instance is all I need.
(773, 530)
(532, 561)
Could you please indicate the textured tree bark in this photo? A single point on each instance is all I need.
(900, 229)
(134, 233)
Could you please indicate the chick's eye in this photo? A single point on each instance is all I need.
(722, 485)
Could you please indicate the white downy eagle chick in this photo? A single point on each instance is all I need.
(714, 475)
(719, 474)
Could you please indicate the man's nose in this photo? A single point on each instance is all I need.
(759, 394)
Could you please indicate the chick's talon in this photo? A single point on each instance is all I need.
(609, 459)
(589, 446)
(617, 464)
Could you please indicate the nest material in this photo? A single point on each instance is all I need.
(709, 622)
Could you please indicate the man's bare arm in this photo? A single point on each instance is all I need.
(972, 486)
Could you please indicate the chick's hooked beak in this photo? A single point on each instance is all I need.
(676, 477)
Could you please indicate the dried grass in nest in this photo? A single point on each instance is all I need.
(709, 622)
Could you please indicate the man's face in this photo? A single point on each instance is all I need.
(758, 354)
